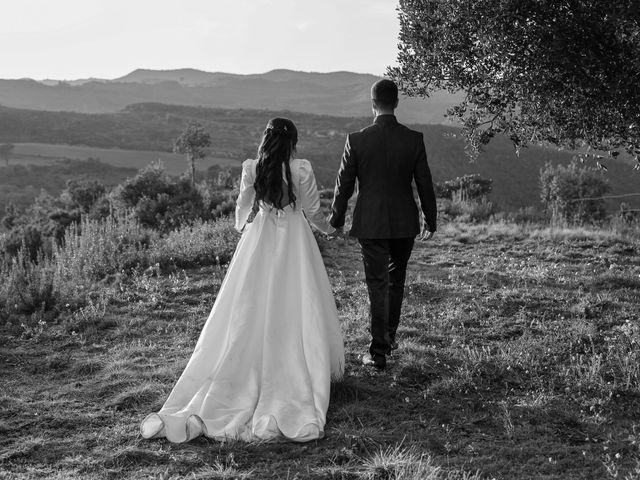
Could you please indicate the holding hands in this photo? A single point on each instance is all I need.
(425, 234)
(337, 233)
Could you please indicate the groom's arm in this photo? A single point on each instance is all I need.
(424, 184)
(345, 184)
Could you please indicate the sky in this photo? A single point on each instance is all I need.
(71, 39)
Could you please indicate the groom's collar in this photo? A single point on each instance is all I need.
(385, 119)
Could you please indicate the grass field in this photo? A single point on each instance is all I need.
(519, 359)
(45, 153)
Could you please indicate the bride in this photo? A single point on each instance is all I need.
(266, 355)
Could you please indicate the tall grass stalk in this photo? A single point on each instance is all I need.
(203, 243)
(95, 249)
(28, 286)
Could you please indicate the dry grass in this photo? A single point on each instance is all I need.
(518, 358)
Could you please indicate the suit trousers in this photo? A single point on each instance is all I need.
(385, 269)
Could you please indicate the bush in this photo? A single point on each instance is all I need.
(28, 285)
(224, 209)
(465, 209)
(48, 217)
(217, 202)
(472, 187)
(23, 237)
(11, 214)
(83, 193)
(96, 248)
(203, 243)
(149, 182)
(570, 193)
(64, 251)
(526, 215)
(165, 204)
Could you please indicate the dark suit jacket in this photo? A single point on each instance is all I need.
(384, 157)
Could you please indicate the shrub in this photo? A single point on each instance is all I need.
(45, 219)
(57, 222)
(467, 210)
(28, 285)
(48, 217)
(27, 238)
(68, 274)
(224, 209)
(217, 202)
(571, 193)
(101, 209)
(149, 182)
(526, 215)
(96, 248)
(83, 193)
(203, 243)
(166, 204)
(10, 216)
(471, 186)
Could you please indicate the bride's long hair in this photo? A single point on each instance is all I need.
(276, 149)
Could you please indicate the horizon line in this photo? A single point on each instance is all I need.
(42, 79)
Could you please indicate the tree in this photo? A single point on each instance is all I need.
(193, 142)
(563, 72)
(573, 192)
(6, 149)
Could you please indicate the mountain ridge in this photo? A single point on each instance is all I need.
(339, 93)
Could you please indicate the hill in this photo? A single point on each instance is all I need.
(236, 134)
(48, 154)
(337, 93)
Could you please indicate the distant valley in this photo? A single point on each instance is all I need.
(116, 137)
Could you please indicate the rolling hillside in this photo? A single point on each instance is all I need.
(236, 133)
(338, 93)
(47, 154)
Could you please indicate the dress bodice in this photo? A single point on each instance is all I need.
(304, 186)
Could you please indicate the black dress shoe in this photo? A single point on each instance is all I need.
(376, 361)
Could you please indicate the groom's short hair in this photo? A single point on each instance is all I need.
(385, 93)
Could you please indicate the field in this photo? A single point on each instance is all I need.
(46, 154)
(519, 358)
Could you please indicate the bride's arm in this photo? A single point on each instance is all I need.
(244, 203)
(310, 199)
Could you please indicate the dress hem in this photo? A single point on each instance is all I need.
(195, 427)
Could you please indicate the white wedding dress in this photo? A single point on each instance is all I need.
(264, 361)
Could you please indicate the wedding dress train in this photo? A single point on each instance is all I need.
(266, 355)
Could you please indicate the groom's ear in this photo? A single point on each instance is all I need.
(395, 105)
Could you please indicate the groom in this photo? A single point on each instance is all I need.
(385, 158)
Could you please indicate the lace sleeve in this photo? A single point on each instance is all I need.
(244, 203)
(310, 198)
